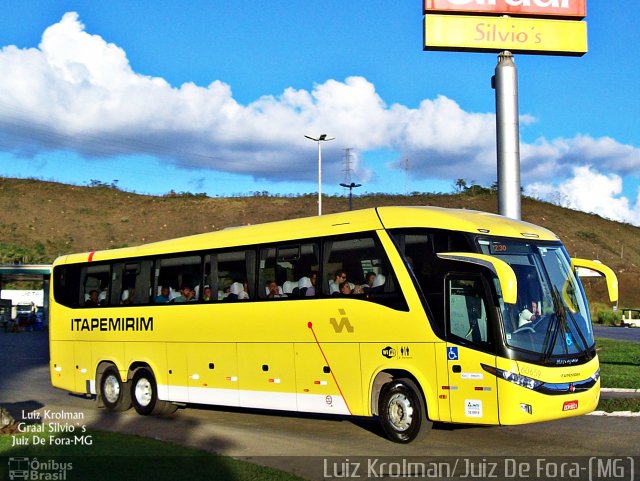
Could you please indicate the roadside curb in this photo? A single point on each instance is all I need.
(618, 414)
(619, 389)
(617, 392)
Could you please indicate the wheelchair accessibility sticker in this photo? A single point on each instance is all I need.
(452, 353)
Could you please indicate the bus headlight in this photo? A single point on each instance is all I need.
(512, 377)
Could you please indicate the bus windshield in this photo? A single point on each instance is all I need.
(551, 317)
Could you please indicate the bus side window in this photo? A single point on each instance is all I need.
(236, 272)
(358, 257)
(67, 288)
(134, 282)
(95, 283)
(174, 273)
(468, 313)
(288, 271)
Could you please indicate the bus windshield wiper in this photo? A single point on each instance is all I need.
(563, 325)
(555, 324)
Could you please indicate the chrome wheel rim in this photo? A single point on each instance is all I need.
(111, 388)
(143, 392)
(400, 412)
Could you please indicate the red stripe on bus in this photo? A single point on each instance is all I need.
(310, 326)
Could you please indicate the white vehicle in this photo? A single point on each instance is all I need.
(631, 317)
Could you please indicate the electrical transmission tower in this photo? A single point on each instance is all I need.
(347, 166)
(348, 184)
(405, 167)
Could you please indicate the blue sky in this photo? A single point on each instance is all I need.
(216, 97)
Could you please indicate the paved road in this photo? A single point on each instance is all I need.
(301, 443)
(618, 333)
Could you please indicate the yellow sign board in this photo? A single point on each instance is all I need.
(524, 35)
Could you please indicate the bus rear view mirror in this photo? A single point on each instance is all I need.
(503, 271)
(607, 272)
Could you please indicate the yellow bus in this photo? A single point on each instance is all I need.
(409, 314)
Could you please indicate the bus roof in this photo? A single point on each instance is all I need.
(463, 220)
(331, 224)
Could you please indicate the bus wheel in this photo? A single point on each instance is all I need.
(144, 394)
(402, 412)
(114, 395)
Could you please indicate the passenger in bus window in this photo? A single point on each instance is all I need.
(334, 285)
(187, 294)
(164, 296)
(368, 280)
(346, 289)
(313, 276)
(206, 294)
(273, 290)
(93, 299)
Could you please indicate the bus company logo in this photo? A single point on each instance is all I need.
(389, 352)
(26, 468)
(344, 322)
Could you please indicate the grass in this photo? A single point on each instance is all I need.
(619, 363)
(118, 456)
(619, 404)
(619, 368)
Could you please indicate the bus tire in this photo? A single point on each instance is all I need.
(114, 394)
(402, 411)
(144, 395)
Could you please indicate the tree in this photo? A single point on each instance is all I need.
(461, 185)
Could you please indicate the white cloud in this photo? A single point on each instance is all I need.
(78, 92)
(590, 191)
(549, 159)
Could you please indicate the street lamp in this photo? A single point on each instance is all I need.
(350, 186)
(319, 140)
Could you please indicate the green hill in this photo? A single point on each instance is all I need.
(41, 220)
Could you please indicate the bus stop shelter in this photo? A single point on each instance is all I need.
(28, 272)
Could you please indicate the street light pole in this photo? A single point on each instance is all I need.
(321, 138)
(350, 186)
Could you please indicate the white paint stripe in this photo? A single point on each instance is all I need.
(317, 403)
(220, 397)
(269, 400)
(283, 401)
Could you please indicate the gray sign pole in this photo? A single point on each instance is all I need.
(505, 84)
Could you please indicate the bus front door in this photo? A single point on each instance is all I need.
(473, 392)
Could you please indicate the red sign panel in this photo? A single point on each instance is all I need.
(539, 8)
(570, 405)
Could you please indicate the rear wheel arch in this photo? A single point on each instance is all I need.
(112, 390)
(386, 376)
(402, 411)
(144, 391)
